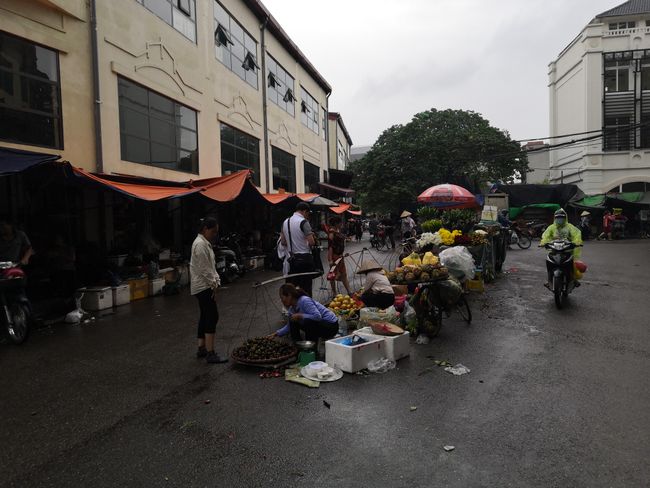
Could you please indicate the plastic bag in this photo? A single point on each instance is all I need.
(459, 261)
(381, 365)
(371, 314)
(448, 293)
(408, 318)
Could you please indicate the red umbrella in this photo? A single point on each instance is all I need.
(448, 196)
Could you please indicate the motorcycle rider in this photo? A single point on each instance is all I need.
(562, 229)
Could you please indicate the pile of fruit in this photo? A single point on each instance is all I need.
(417, 274)
(345, 305)
(265, 349)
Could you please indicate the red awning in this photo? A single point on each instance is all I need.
(355, 212)
(225, 188)
(346, 192)
(143, 192)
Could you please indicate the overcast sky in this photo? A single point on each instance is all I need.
(388, 60)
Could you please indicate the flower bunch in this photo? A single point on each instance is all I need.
(448, 238)
(429, 239)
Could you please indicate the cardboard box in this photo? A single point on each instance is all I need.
(139, 288)
(397, 347)
(121, 295)
(96, 298)
(156, 286)
(353, 358)
(400, 290)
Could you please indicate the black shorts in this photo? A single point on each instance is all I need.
(208, 313)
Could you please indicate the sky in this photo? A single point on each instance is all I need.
(388, 60)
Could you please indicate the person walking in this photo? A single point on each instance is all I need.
(407, 224)
(297, 236)
(336, 256)
(203, 285)
(358, 229)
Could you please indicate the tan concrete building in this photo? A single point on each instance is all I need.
(166, 89)
(340, 142)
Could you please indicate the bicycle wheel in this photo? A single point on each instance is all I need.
(430, 322)
(463, 309)
(524, 241)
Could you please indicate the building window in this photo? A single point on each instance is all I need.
(284, 170)
(619, 134)
(180, 14)
(312, 176)
(280, 87)
(30, 93)
(156, 130)
(324, 123)
(618, 71)
(622, 25)
(239, 151)
(234, 47)
(309, 110)
(341, 156)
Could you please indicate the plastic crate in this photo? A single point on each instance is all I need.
(353, 358)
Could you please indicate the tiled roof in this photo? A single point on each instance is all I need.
(631, 7)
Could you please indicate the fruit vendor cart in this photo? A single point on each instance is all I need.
(490, 255)
(432, 299)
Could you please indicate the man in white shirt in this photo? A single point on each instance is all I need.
(297, 236)
(203, 285)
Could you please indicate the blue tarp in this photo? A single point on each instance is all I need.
(15, 160)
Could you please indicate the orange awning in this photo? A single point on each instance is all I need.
(355, 212)
(225, 188)
(344, 207)
(276, 198)
(143, 192)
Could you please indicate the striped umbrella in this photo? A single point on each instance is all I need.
(448, 196)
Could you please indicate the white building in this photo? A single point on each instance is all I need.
(538, 163)
(600, 98)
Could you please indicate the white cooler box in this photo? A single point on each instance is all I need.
(121, 295)
(353, 358)
(397, 347)
(96, 298)
(156, 286)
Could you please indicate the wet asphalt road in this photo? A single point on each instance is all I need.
(554, 399)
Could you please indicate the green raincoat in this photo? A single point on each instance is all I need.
(565, 231)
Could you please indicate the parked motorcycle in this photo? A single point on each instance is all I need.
(228, 258)
(536, 228)
(559, 266)
(519, 237)
(15, 312)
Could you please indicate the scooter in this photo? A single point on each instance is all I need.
(228, 258)
(559, 266)
(15, 311)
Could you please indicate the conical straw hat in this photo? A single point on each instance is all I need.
(405, 214)
(369, 265)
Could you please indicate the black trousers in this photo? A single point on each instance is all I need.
(378, 300)
(208, 313)
(302, 263)
(313, 329)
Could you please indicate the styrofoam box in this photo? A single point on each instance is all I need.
(397, 347)
(121, 295)
(96, 298)
(353, 358)
(156, 286)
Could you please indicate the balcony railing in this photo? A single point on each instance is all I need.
(627, 32)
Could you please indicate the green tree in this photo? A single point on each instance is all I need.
(436, 146)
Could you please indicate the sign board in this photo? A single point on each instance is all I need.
(490, 212)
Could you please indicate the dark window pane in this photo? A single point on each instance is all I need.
(29, 128)
(188, 140)
(161, 106)
(162, 131)
(163, 155)
(134, 149)
(28, 84)
(227, 134)
(188, 117)
(133, 96)
(227, 152)
(153, 134)
(162, 8)
(623, 79)
(134, 123)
